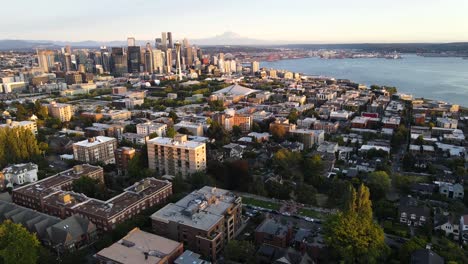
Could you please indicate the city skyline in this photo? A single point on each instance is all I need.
(335, 21)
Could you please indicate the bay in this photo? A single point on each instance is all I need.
(438, 78)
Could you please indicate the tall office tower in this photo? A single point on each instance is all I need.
(169, 39)
(46, 59)
(168, 60)
(200, 54)
(105, 59)
(68, 49)
(221, 65)
(214, 60)
(68, 63)
(178, 47)
(158, 61)
(189, 56)
(255, 67)
(157, 43)
(134, 59)
(149, 63)
(221, 56)
(131, 42)
(118, 61)
(233, 66)
(164, 41)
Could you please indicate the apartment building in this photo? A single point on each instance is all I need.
(196, 129)
(150, 128)
(204, 221)
(32, 194)
(176, 156)
(309, 137)
(95, 149)
(141, 247)
(123, 155)
(53, 196)
(64, 112)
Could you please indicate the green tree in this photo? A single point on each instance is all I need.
(379, 183)
(17, 245)
(236, 131)
(314, 170)
(200, 179)
(240, 251)
(171, 132)
(90, 187)
(352, 234)
(293, 116)
(306, 194)
(173, 116)
(410, 246)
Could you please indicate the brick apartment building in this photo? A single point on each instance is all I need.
(53, 196)
(205, 220)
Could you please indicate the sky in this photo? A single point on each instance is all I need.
(305, 21)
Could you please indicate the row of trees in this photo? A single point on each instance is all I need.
(17, 145)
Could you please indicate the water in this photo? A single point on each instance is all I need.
(443, 79)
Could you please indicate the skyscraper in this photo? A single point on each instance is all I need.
(169, 39)
(188, 53)
(157, 43)
(149, 58)
(178, 66)
(164, 41)
(105, 59)
(158, 61)
(134, 59)
(118, 61)
(46, 59)
(131, 41)
(168, 60)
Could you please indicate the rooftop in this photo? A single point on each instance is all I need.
(140, 247)
(200, 209)
(169, 142)
(94, 141)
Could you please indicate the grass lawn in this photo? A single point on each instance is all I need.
(321, 199)
(260, 203)
(310, 213)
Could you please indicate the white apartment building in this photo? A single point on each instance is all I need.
(177, 156)
(95, 149)
(150, 128)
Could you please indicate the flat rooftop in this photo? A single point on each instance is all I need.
(48, 185)
(200, 209)
(133, 247)
(94, 141)
(169, 142)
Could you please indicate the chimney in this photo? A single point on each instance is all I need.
(8, 121)
(91, 139)
(146, 255)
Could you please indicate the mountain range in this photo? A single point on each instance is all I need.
(227, 38)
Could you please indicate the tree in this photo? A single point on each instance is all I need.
(293, 116)
(236, 131)
(240, 251)
(89, 186)
(130, 128)
(352, 234)
(313, 170)
(173, 116)
(410, 246)
(306, 194)
(419, 141)
(184, 131)
(17, 245)
(200, 179)
(17, 145)
(153, 135)
(171, 132)
(379, 183)
(278, 132)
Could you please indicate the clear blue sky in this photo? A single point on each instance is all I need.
(291, 20)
